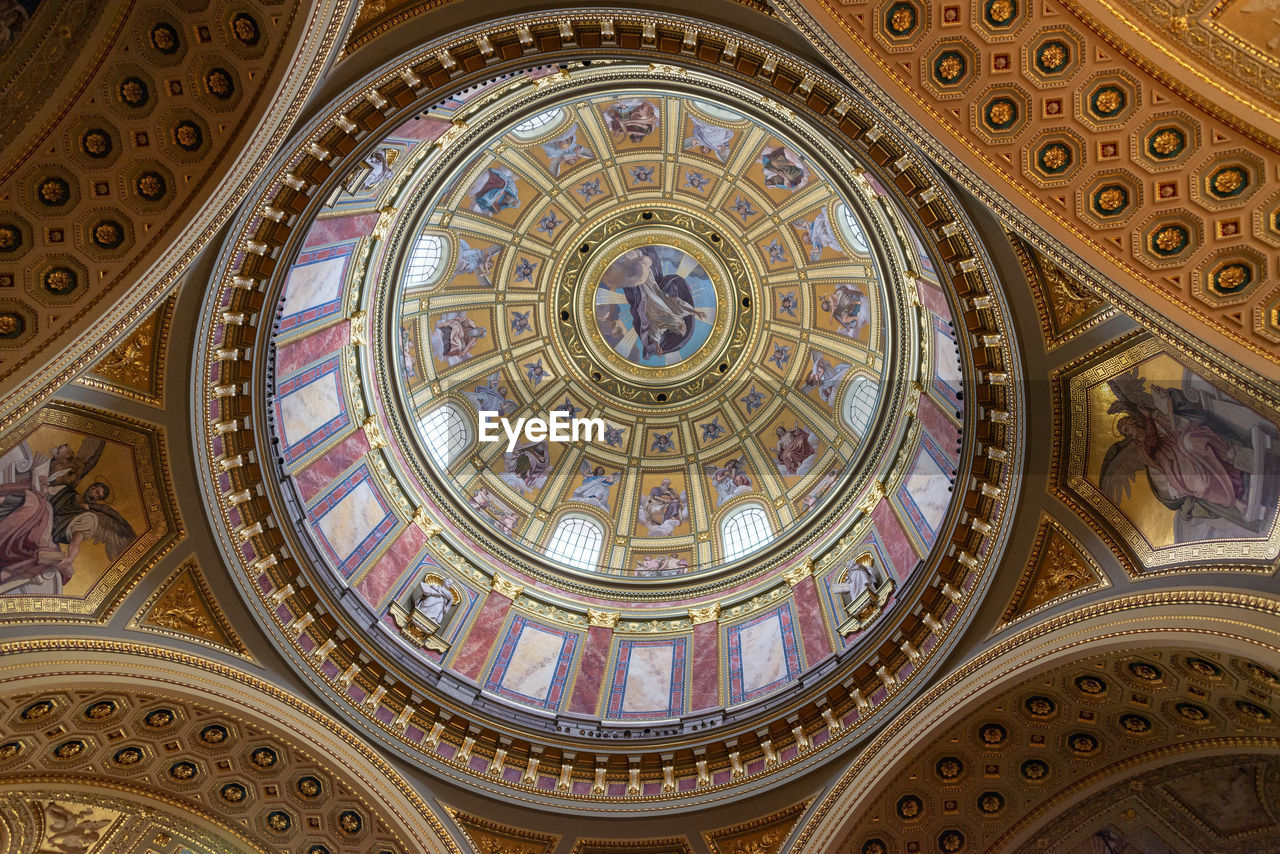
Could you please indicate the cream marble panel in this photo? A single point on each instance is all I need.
(309, 408)
(313, 284)
(927, 485)
(533, 663)
(351, 520)
(648, 685)
(764, 659)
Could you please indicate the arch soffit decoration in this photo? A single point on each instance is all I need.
(39, 666)
(1220, 621)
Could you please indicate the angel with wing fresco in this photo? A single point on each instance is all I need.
(730, 478)
(1197, 463)
(631, 118)
(495, 191)
(42, 510)
(595, 486)
(565, 151)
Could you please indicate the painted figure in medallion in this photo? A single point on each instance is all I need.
(654, 566)
(666, 293)
(526, 468)
(817, 235)
(710, 139)
(565, 151)
(825, 377)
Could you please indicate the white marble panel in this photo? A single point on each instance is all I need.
(309, 408)
(764, 658)
(351, 520)
(948, 366)
(313, 284)
(648, 686)
(533, 663)
(928, 487)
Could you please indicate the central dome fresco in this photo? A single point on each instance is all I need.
(686, 273)
(774, 328)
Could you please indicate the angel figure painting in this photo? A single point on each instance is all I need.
(711, 140)
(847, 308)
(1183, 460)
(729, 478)
(596, 486)
(631, 119)
(825, 377)
(525, 468)
(565, 152)
(817, 234)
(59, 515)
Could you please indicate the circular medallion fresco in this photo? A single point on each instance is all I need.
(655, 305)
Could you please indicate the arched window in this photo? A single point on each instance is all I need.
(446, 433)
(744, 530)
(860, 404)
(576, 541)
(851, 228)
(424, 261)
(534, 126)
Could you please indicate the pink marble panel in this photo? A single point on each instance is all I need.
(942, 429)
(813, 630)
(474, 648)
(706, 661)
(595, 655)
(318, 476)
(390, 568)
(896, 542)
(297, 354)
(339, 228)
(420, 128)
(933, 299)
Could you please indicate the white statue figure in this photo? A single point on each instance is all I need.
(860, 574)
(435, 595)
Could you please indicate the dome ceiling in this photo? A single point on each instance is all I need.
(686, 274)
(761, 307)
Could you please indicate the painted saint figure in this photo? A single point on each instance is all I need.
(595, 486)
(817, 235)
(565, 151)
(710, 139)
(825, 377)
(661, 303)
(846, 307)
(495, 191)
(729, 478)
(632, 119)
(526, 467)
(664, 509)
(455, 337)
(794, 451)
(783, 168)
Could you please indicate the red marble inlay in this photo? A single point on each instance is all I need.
(942, 429)
(895, 540)
(813, 630)
(339, 228)
(318, 476)
(932, 298)
(480, 638)
(295, 355)
(587, 684)
(389, 569)
(706, 666)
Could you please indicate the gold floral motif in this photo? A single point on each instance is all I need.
(1001, 11)
(603, 619)
(1108, 101)
(1227, 181)
(1052, 57)
(709, 614)
(999, 113)
(950, 67)
(1055, 156)
(1231, 276)
(1166, 142)
(1170, 238)
(902, 20)
(1111, 199)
